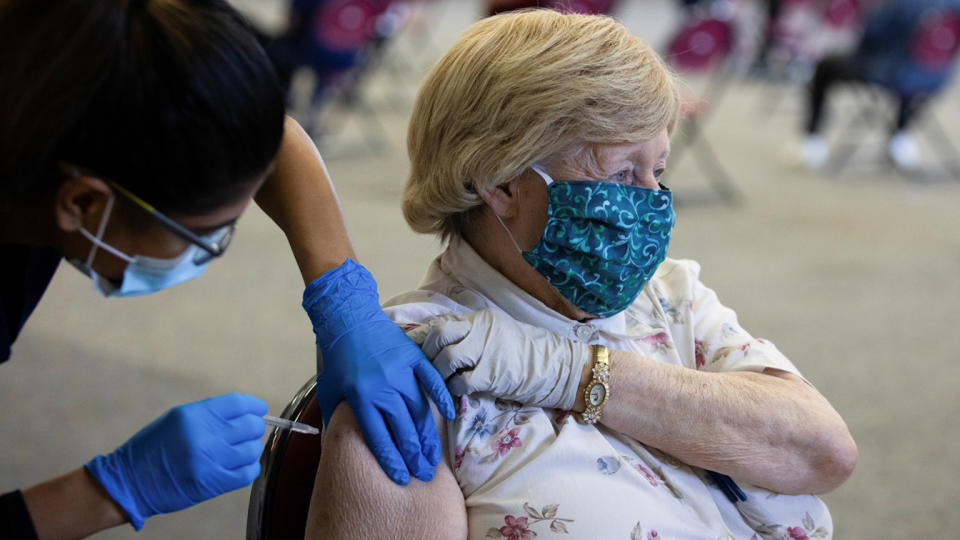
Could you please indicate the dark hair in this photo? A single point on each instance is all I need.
(173, 99)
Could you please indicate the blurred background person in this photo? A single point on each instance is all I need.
(907, 48)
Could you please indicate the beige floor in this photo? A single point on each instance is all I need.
(855, 277)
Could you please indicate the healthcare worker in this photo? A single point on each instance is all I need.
(133, 134)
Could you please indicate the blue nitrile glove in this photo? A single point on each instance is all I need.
(190, 454)
(365, 359)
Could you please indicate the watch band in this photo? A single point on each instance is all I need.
(597, 391)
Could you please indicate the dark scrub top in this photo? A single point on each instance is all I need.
(25, 272)
(24, 275)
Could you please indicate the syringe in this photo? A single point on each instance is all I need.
(283, 423)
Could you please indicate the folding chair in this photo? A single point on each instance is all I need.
(568, 6)
(933, 49)
(339, 42)
(280, 496)
(803, 33)
(702, 44)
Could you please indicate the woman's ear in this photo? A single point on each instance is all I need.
(80, 201)
(504, 199)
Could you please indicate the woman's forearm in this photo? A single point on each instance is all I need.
(71, 506)
(299, 196)
(768, 429)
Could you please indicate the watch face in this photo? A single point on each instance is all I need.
(597, 393)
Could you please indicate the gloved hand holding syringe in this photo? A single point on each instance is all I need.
(189, 454)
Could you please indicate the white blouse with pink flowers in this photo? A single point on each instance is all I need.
(532, 472)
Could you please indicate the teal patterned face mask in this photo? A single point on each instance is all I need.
(603, 241)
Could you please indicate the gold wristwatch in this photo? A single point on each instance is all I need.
(598, 389)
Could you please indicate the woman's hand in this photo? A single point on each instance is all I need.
(488, 351)
(190, 454)
(365, 359)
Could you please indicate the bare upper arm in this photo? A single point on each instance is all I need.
(354, 498)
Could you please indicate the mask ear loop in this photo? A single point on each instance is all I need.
(504, 225)
(97, 240)
(544, 175)
(548, 180)
(510, 234)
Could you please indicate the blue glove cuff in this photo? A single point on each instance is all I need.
(107, 471)
(341, 299)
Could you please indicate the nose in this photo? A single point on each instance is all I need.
(649, 181)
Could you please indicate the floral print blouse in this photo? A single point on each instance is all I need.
(529, 472)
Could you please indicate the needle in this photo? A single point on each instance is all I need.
(283, 423)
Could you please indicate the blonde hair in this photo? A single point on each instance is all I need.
(521, 88)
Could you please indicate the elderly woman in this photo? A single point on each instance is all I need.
(606, 393)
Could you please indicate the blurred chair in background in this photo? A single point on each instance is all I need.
(772, 15)
(798, 33)
(340, 42)
(702, 45)
(908, 50)
(328, 36)
(593, 7)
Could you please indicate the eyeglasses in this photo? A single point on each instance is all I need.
(213, 244)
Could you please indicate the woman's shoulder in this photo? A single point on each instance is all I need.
(676, 275)
(440, 293)
(445, 296)
(419, 304)
(672, 267)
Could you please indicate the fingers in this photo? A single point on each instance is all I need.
(234, 456)
(423, 420)
(430, 379)
(244, 428)
(381, 443)
(239, 477)
(469, 382)
(407, 438)
(418, 333)
(455, 358)
(457, 385)
(444, 334)
(229, 406)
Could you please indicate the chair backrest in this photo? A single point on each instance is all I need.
(280, 496)
(909, 47)
(593, 7)
(590, 6)
(347, 25)
(699, 44)
(330, 36)
(843, 13)
(936, 41)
